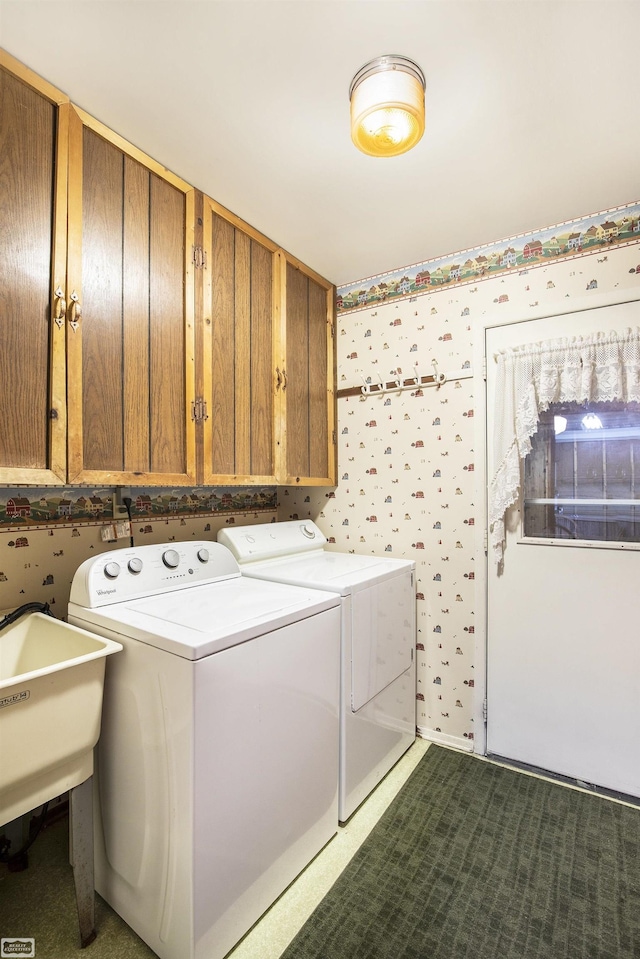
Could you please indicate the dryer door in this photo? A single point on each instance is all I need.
(383, 635)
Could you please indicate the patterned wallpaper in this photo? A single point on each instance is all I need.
(406, 460)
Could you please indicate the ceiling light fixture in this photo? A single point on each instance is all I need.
(387, 106)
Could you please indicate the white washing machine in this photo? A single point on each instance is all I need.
(378, 678)
(217, 767)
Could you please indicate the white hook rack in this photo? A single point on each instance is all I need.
(438, 378)
(418, 381)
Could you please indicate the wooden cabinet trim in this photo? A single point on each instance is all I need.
(205, 372)
(299, 265)
(22, 72)
(74, 284)
(279, 364)
(133, 151)
(240, 224)
(190, 334)
(58, 395)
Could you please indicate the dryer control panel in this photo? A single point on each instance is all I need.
(125, 574)
(270, 540)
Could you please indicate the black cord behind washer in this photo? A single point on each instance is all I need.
(127, 505)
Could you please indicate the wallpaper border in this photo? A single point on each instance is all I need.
(516, 254)
(29, 507)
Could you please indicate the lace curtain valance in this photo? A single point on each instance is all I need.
(597, 368)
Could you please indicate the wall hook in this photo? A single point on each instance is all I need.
(438, 378)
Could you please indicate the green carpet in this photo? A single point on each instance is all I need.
(474, 860)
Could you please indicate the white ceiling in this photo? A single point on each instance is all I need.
(531, 111)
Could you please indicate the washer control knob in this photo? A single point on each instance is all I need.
(307, 531)
(135, 565)
(171, 558)
(203, 555)
(112, 570)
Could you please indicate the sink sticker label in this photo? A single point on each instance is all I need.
(11, 701)
(17, 947)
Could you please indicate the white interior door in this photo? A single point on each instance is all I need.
(563, 634)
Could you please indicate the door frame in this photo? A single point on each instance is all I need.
(508, 316)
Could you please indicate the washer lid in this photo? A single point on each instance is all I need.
(200, 620)
(340, 572)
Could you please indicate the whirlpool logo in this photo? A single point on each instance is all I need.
(101, 592)
(17, 947)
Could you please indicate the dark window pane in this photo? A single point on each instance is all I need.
(582, 477)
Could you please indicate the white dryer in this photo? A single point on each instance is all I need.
(378, 679)
(217, 769)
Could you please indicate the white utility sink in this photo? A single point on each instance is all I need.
(51, 681)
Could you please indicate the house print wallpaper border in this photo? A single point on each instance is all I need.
(60, 506)
(613, 228)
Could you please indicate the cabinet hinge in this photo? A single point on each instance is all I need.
(485, 540)
(199, 257)
(199, 410)
(484, 367)
(484, 710)
(334, 438)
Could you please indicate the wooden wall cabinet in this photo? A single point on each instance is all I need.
(238, 351)
(33, 214)
(130, 326)
(96, 288)
(306, 446)
(131, 354)
(269, 360)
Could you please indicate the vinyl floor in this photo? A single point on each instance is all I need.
(39, 903)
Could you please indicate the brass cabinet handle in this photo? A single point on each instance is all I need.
(60, 306)
(284, 380)
(278, 378)
(75, 311)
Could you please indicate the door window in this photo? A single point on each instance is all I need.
(582, 476)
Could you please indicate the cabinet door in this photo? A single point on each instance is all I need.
(308, 388)
(238, 338)
(33, 194)
(130, 351)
